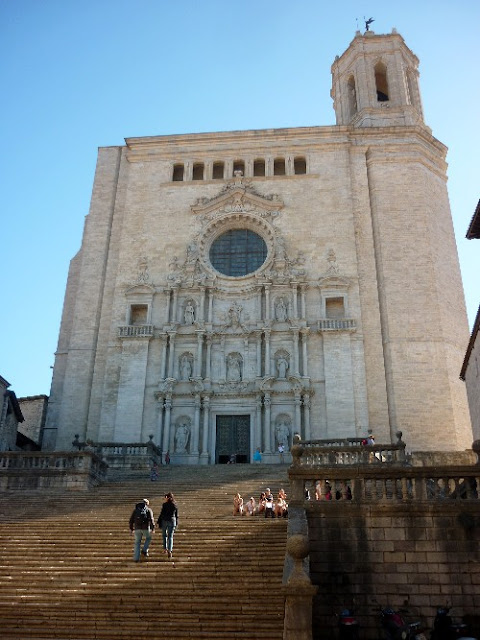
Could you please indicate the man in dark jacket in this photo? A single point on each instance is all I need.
(142, 525)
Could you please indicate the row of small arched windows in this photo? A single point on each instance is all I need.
(221, 170)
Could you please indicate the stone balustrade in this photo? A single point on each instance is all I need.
(347, 470)
(366, 512)
(346, 451)
(337, 324)
(136, 331)
(123, 455)
(33, 470)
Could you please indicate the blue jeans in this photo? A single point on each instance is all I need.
(139, 533)
(168, 529)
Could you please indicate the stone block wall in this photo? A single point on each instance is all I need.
(417, 556)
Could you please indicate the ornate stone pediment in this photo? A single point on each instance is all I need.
(140, 290)
(237, 196)
(333, 282)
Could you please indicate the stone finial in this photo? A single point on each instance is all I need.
(298, 548)
(476, 450)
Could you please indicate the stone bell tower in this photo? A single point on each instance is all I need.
(375, 83)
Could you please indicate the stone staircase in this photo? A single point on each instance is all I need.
(67, 573)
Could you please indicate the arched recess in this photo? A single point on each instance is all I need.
(381, 82)
(352, 97)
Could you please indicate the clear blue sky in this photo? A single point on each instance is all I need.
(79, 74)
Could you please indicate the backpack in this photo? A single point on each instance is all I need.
(141, 517)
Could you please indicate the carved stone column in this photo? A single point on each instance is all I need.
(305, 331)
(168, 295)
(258, 424)
(160, 404)
(198, 362)
(206, 424)
(171, 355)
(196, 425)
(210, 305)
(267, 303)
(175, 305)
(223, 372)
(302, 301)
(163, 363)
(259, 353)
(267, 436)
(295, 351)
(201, 314)
(295, 300)
(246, 366)
(166, 428)
(208, 371)
(306, 416)
(268, 368)
(298, 413)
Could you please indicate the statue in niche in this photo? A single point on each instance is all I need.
(185, 368)
(281, 312)
(181, 438)
(282, 432)
(234, 314)
(143, 275)
(192, 252)
(189, 313)
(282, 366)
(332, 261)
(234, 372)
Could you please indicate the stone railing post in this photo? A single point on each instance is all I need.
(299, 592)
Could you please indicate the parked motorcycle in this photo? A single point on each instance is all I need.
(396, 627)
(445, 628)
(347, 625)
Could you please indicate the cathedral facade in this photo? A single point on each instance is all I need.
(235, 288)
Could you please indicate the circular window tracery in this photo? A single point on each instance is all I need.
(238, 252)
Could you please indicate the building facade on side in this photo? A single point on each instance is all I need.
(471, 365)
(235, 288)
(10, 417)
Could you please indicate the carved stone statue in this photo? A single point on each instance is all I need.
(143, 275)
(332, 262)
(282, 432)
(234, 314)
(185, 368)
(189, 314)
(234, 373)
(281, 312)
(282, 366)
(192, 252)
(181, 438)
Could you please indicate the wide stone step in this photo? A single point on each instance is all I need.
(66, 571)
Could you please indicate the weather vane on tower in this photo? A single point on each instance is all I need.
(368, 23)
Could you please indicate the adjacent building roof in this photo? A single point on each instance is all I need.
(475, 330)
(473, 230)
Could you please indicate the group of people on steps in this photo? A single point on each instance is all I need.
(268, 505)
(142, 525)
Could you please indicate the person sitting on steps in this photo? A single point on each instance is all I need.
(237, 505)
(269, 506)
(250, 507)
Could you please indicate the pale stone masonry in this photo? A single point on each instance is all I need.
(235, 288)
